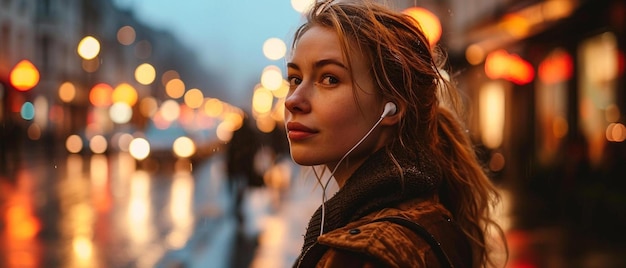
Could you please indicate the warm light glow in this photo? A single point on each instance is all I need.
(474, 54)
(194, 98)
(213, 107)
(101, 95)
(88, 47)
(224, 132)
(120, 113)
(126, 35)
(516, 25)
(282, 91)
(170, 110)
(265, 123)
(148, 106)
(83, 247)
(175, 88)
(184, 147)
(139, 148)
(145, 74)
(74, 144)
(125, 93)
(272, 77)
(262, 100)
(428, 22)
(616, 132)
(24, 76)
(557, 67)
(67, 92)
(123, 141)
(98, 144)
(301, 6)
(501, 64)
(274, 48)
(491, 114)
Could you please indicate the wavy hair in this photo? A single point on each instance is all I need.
(409, 72)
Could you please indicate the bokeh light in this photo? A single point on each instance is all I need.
(274, 48)
(73, 144)
(67, 92)
(98, 144)
(125, 93)
(262, 100)
(213, 107)
(88, 47)
(101, 95)
(24, 75)
(194, 98)
(148, 106)
(34, 131)
(184, 147)
(302, 6)
(272, 77)
(428, 22)
(27, 111)
(175, 88)
(145, 74)
(139, 148)
(120, 112)
(126, 35)
(170, 110)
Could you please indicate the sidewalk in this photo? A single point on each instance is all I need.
(273, 231)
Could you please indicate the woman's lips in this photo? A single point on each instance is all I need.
(297, 131)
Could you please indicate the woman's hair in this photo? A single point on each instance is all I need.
(409, 72)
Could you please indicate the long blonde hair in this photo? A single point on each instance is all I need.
(409, 72)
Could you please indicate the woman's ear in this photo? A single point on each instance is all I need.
(393, 113)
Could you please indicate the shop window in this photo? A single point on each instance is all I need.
(597, 91)
(551, 95)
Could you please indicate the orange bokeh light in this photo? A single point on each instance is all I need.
(24, 76)
(501, 64)
(125, 93)
(428, 22)
(101, 95)
(558, 67)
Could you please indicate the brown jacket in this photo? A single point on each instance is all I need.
(364, 243)
(376, 189)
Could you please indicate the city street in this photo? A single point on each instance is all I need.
(110, 211)
(104, 211)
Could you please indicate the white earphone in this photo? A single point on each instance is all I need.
(390, 109)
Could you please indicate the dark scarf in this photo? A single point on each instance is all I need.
(374, 185)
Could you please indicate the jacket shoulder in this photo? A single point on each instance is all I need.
(387, 242)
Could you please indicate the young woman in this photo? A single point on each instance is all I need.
(368, 102)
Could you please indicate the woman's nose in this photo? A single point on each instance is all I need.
(298, 101)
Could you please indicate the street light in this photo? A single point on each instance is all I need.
(24, 76)
(88, 48)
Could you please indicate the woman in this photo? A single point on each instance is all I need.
(368, 101)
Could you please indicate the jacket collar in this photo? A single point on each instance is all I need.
(375, 185)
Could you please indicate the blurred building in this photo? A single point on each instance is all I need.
(546, 91)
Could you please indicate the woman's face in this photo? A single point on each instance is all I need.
(322, 117)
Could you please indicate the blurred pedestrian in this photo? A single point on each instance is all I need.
(240, 165)
(370, 103)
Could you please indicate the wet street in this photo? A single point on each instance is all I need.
(110, 211)
(61, 210)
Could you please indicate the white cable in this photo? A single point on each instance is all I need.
(319, 179)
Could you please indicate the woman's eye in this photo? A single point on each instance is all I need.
(294, 81)
(329, 80)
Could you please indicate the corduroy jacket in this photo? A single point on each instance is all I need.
(365, 243)
(378, 189)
